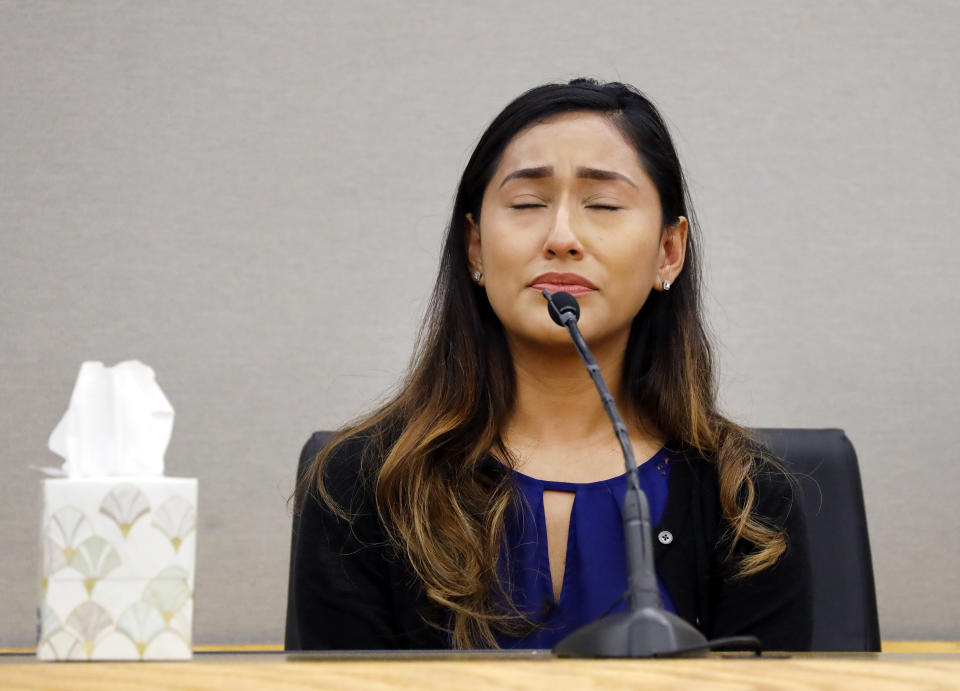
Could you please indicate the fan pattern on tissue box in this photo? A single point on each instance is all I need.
(117, 575)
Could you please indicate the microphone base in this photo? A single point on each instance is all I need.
(646, 632)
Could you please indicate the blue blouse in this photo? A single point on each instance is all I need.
(595, 575)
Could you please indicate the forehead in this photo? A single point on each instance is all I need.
(581, 138)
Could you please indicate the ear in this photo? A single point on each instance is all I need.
(673, 251)
(472, 240)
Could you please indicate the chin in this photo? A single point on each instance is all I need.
(541, 333)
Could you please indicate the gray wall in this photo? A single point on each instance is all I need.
(237, 193)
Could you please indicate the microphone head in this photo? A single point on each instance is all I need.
(560, 304)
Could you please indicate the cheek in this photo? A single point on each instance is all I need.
(507, 258)
(506, 251)
(634, 270)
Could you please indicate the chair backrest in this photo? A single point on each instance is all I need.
(844, 598)
(291, 640)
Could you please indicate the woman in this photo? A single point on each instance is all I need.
(480, 506)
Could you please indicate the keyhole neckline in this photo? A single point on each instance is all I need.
(656, 463)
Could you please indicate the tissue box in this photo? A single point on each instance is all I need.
(117, 579)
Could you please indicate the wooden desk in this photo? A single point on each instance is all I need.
(274, 670)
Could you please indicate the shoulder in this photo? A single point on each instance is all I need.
(345, 465)
(336, 501)
(351, 587)
(771, 486)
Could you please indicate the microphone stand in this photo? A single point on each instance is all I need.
(646, 629)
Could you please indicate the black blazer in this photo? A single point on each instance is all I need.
(354, 591)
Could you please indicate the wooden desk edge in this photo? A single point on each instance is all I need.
(887, 647)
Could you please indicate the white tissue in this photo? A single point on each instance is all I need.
(118, 422)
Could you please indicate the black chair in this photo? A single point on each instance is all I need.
(845, 603)
(844, 598)
(291, 640)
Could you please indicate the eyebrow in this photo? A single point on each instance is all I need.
(547, 171)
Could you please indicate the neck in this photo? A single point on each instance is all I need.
(556, 400)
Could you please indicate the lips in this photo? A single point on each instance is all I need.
(575, 284)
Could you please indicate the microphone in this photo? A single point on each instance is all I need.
(646, 629)
(562, 306)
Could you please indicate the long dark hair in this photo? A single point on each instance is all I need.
(441, 499)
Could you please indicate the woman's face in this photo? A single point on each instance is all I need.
(571, 208)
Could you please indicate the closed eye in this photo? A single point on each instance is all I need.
(605, 207)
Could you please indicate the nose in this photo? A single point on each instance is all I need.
(562, 241)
